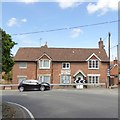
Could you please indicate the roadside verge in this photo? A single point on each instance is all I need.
(13, 110)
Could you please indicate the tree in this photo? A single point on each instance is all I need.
(7, 57)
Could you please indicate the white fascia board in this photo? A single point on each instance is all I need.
(93, 75)
(78, 73)
(45, 55)
(95, 56)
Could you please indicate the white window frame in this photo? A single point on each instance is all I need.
(45, 75)
(42, 67)
(21, 77)
(66, 65)
(95, 61)
(94, 76)
(21, 67)
(61, 79)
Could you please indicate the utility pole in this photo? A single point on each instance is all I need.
(118, 51)
(109, 81)
(118, 54)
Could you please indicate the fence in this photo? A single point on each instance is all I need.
(10, 86)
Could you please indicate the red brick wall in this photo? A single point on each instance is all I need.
(115, 72)
(30, 72)
(55, 71)
(74, 67)
(103, 72)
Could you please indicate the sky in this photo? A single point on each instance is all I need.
(30, 16)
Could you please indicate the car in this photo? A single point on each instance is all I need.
(33, 85)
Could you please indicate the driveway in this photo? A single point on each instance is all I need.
(86, 103)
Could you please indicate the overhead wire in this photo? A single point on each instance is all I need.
(66, 28)
(113, 46)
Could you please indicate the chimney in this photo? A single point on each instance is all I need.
(115, 61)
(101, 46)
(45, 46)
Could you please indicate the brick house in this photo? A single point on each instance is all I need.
(61, 65)
(115, 72)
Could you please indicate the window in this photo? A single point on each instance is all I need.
(65, 79)
(44, 64)
(20, 78)
(31, 82)
(65, 65)
(44, 78)
(93, 64)
(23, 65)
(94, 79)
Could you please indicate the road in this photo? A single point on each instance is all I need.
(87, 103)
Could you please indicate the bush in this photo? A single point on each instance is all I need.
(8, 76)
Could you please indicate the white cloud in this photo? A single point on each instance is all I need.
(15, 22)
(69, 3)
(11, 22)
(28, 1)
(24, 1)
(102, 6)
(24, 20)
(76, 32)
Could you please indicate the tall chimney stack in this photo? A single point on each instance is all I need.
(101, 46)
(115, 61)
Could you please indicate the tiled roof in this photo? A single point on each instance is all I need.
(59, 54)
(112, 64)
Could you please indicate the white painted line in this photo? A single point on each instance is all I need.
(30, 114)
(24, 94)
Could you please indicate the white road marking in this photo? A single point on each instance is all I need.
(24, 94)
(30, 114)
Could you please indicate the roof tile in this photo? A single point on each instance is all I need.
(59, 54)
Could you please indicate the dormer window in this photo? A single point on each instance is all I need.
(93, 64)
(93, 61)
(65, 65)
(44, 64)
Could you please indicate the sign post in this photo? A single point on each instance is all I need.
(79, 84)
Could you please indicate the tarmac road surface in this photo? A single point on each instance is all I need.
(86, 103)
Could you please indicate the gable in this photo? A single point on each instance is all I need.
(44, 56)
(114, 70)
(93, 56)
(79, 72)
